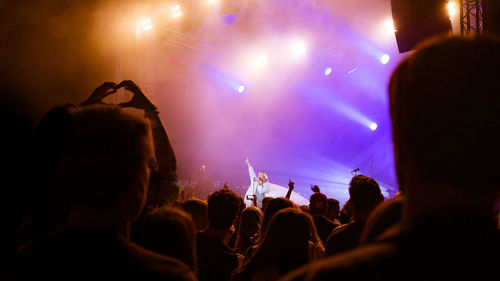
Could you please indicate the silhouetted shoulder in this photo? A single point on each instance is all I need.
(87, 254)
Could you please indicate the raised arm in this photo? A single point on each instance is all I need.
(251, 171)
(167, 164)
(291, 185)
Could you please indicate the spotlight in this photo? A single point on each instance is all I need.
(260, 61)
(241, 89)
(298, 48)
(373, 126)
(389, 26)
(384, 59)
(452, 8)
(328, 71)
(176, 11)
(143, 25)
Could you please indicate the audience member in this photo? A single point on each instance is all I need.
(105, 169)
(445, 118)
(286, 245)
(274, 206)
(249, 229)
(364, 195)
(319, 208)
(333, 210)
(385, 216)
(198, 211)
(169, 231)
(346, 213)
(265, 202)
(216, 260)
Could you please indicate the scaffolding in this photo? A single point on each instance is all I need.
(471, 16)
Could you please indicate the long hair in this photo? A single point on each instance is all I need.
(285, 244)
(249, 229)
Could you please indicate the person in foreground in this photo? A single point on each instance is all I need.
(104, 170)
(444, 106)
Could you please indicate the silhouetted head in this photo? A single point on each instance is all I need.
(286, 241)
(364, 193)
(223, 208)
(333, 209)
(318, 203)
(169, 231)
(445, 115)
(198, 210)
(249, 228)
(105, 163)
(274, 206)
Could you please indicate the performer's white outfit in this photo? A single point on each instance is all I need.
(269, 190)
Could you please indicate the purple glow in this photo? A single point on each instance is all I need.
(294, 123)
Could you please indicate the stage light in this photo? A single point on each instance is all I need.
(384, 59)
(260, 61)
(328, 71)
(373, 126)
(176, 11)
(143, 25)
(213, 1)
(452, 8)
(299, 48)
(389, 26)
(241, 89)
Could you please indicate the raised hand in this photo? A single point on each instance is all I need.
(139, 100)
(106, 89)
(291, 186)
(248, 162)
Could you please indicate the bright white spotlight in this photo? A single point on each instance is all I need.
(299, 48)
(384, 59)
(328, 71)
(212, 1)
(260, 61)
(452, 8)
(373, 126)
(241, 89)
(176, 11)
(389, 26)
(143, 25)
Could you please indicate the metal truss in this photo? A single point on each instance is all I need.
(471, 16)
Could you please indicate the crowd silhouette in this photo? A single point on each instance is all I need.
(104, 201)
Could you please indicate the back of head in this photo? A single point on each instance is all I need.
(318, 203)
(333, 208)
(249, 228)
(169, 231)
(286, 240)
(103, 156)
(223, 207)
(444, 108)
(364, 193)
(250, 220)
(198, 211)
(274, 206)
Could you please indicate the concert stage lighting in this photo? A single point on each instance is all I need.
(384, 59)
(143, 25)
(241, 89)
(452, 8)
(328, 71)
(373, 126)
(176, 11)
(298, 48)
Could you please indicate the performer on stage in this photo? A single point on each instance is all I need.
(260, 187)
